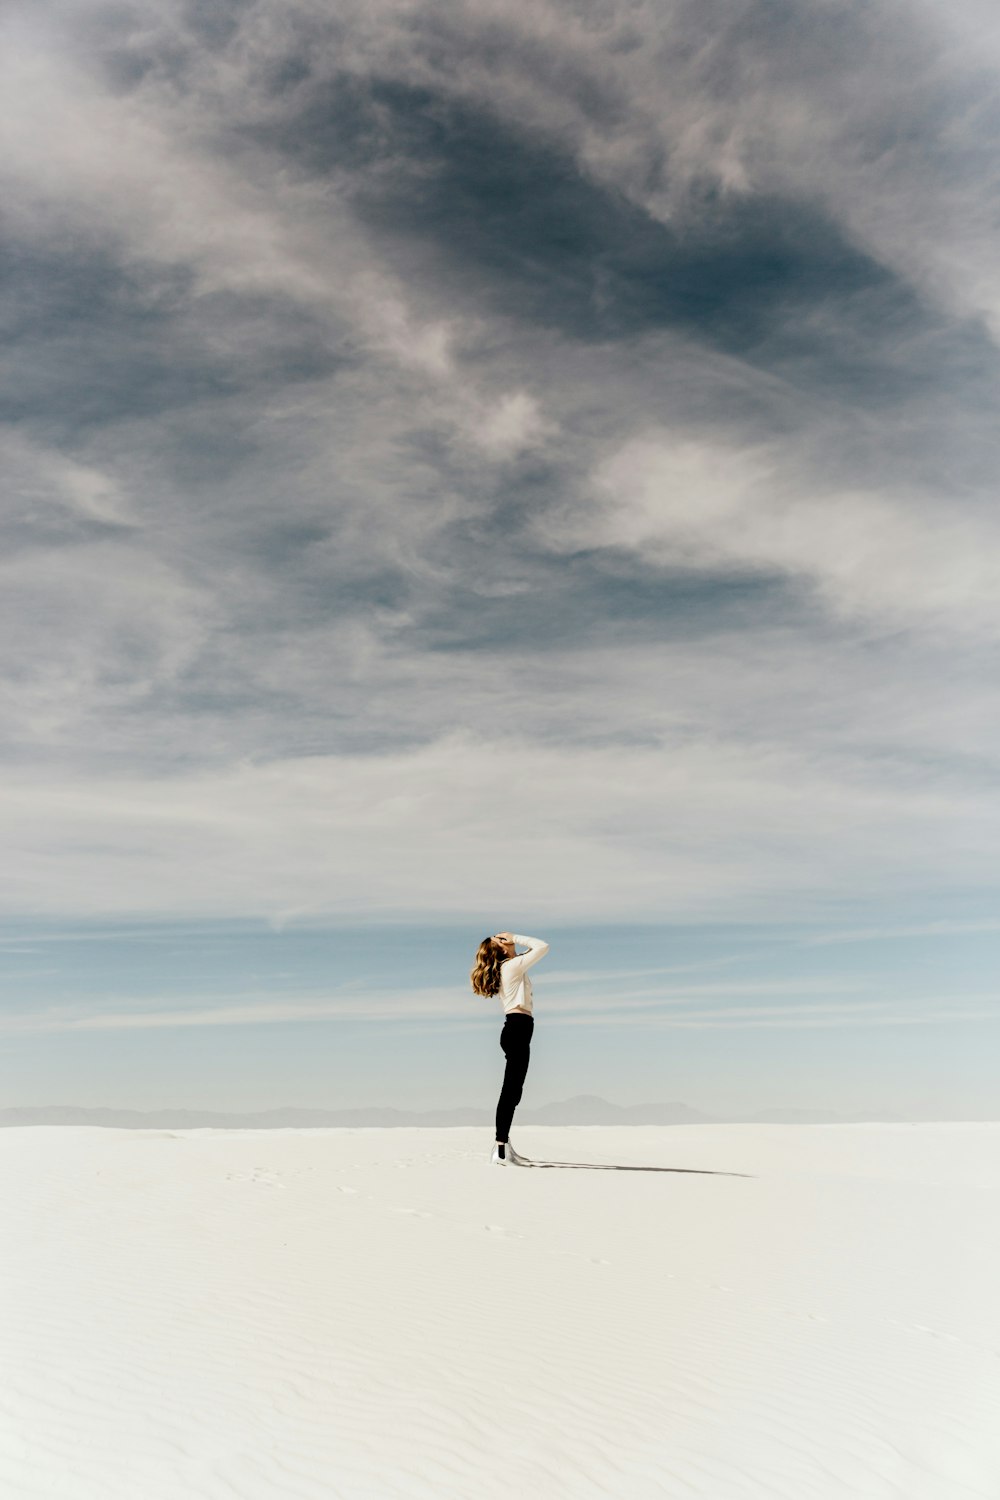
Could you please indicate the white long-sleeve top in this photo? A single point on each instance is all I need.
(515, 986)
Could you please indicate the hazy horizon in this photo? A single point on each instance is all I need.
(585, 1110)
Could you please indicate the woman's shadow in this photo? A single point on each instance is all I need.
(593, 1166)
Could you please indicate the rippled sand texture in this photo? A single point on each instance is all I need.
(378, 1313)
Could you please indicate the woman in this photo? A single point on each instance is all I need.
(500, 970)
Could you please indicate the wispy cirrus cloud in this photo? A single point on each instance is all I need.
(697, 832)
(866, 554)
(690, 1010)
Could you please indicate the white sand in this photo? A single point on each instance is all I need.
(377, 1313)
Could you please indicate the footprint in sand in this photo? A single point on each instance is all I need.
(258, 1175)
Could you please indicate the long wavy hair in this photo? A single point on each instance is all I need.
(485, 974)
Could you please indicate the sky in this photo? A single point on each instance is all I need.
(475, 466)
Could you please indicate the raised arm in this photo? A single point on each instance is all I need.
(537, 949)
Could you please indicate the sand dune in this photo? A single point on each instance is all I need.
(807, 1312)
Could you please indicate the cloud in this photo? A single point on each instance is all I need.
(414, 409)
(663, 1012)
(877, 112)
(698, 505)
(57, 494)
(679, 833)
(514, 424)
(90, 630)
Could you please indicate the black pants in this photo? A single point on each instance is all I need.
(515, 1039)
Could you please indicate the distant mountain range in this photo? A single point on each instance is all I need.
(583, 1109)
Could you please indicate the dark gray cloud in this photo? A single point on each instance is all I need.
(551, 372)
(93, 341)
